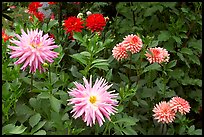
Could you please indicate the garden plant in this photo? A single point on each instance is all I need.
(102, 68)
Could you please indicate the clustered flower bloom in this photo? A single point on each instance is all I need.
(157, 54)
(95, 22)
(33, 49)
(165, 111)
(5, 37)
(131, 43)
(93, 103)
(73, 24)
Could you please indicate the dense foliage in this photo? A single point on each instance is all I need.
(36, 104)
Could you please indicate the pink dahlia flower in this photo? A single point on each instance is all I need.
(120, 52)
(93, 103)
(33, 49)
(163, 112)
(157, 54)
(133, 43)
(179, 104)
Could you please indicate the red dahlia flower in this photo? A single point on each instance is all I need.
(95, 22)
(5, 37)
(73, 24)
(33, 6)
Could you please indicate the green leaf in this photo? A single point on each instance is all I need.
(109, 75)
(34, 119)
(18, 129)
(127, 120)
(80, 58)
(186, 51)
(198, 132)
(171, 64)
(51, 24)
(183, 59)
(153, 44)
(164, 36)
(154, 66)
(78, 36)
(123, 77)
(44, 95)
(40, 132)
(55, 104)
(6, 129)
(147, 92)
(75, 72)
(177, 39)
(194, 59)
(129, 131)
(38, 126)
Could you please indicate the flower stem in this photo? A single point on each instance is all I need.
(31, 82)
(106, 128)
(50, 74)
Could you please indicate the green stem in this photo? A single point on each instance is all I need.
(50, 74)
(31, 82)
(106, 128)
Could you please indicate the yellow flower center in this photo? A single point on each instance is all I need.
(92, 99)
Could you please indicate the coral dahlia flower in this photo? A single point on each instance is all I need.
(180, 104)
(73, 24)
(163, 112)
(93, 103)
(133, 43)
(157, 54)
(33, 49)
(119, 51)
(95, 22)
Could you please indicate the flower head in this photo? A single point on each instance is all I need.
(95, 22)
(163, 112)
(133, 43)
(33, 49)
(39, 15)
(33, 7)
(73, 24)
(180, 105)
(119, 51)
(5, 37)
(157, 54)
(93, 103)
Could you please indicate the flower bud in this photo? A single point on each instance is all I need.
(88, 13)
(80, 15)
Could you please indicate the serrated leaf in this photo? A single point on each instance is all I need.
(177, 39)
(40, 132)
(34, 119)
(154, 66)
(153, 44)
(55, 104)
(164, 36)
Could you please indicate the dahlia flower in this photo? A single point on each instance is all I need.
(157, 54)
(5, 37)
(119, 51)
(33, 49)
(93, 103)
(179, 104)
(133, 43)
(163, 112)
(33, 7)
(95, 22)
(73, 24)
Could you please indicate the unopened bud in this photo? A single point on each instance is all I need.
(80, 15)
(45, 65)
(107, 19)
(88, 13)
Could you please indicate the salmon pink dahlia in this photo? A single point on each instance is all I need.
(180, 105)
(95, 22)
(133, 43)
(93, 103)
(33, 49)
(157, 54)
(163, 112)
(119, 51)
